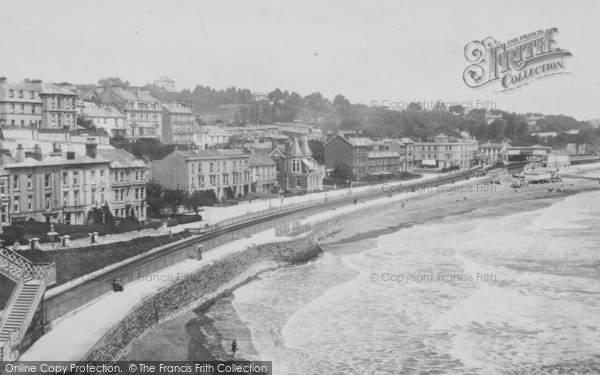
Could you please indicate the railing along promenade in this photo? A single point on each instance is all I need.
(73, 295)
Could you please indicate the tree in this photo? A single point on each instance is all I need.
(457, 109)
(342, 171)
(318, 151)
(113, 81)
(86, 122)
(200, 198)
(175, 199)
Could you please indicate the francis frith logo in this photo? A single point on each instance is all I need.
(515, 63)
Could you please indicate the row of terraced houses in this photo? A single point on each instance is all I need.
(64, 186)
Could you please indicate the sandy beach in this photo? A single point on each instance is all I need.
(206, 333)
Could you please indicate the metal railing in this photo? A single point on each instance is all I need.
(336, 198)
(47, 272)
(73, 298)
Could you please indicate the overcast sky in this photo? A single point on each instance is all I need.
(370, 50)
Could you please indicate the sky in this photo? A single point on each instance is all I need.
(385, 51)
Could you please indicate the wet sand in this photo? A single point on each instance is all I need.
(206, 333)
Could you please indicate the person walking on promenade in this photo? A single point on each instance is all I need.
(234, 347)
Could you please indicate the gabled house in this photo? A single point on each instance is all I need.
(297, 170)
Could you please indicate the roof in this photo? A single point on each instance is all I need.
(492, 145)
(37, 88)
(215, 154)
(180, 109)
(296, 150)
(382, 154)
(99, 110)
(49, 160)
(121, 158)
(360, 141)
(135, 96)
(214, 130)
(260, 159)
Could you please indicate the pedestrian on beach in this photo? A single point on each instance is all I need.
(234, 347)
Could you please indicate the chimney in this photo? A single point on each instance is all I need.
(20, 156)
(56, 150)
(35, 154)
(37, 83)
(3, 81)
(91, 150)
(26, 80)
(70, 155)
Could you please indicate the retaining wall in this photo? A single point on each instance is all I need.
(200, 288)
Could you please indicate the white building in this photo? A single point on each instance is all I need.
(106, 117)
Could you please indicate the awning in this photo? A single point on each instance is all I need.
(429, 162)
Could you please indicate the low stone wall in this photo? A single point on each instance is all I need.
(207, 284)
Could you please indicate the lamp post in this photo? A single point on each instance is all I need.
(52, 235)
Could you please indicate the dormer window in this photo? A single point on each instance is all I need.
(20, 94)
(11, 94)
(31, 95)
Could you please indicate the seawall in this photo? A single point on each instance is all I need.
(200, 288)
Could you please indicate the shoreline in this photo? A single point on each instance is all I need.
(209, 329)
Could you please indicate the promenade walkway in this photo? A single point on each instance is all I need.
(77, 332)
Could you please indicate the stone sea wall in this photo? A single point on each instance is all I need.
(198, 289)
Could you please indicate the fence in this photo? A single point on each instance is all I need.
(58, 304)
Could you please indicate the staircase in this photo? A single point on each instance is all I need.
(31, 281)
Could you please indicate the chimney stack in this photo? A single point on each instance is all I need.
(3, 81)
(91, 150)
(20, 156)
(35, 154)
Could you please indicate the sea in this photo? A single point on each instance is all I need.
(480, 293)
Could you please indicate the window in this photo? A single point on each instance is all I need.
(76, 198)
(12, 108)
(211, 168)
(65, 198)
(20, 94)
(137, 191)
(53, 120)
(16, 204)
(226, 179)
(16, 182)
(22, 108)
(193, 169)
(75, 178)
(29, 203)
(65, 179)
(29, 182)
(11, 94)
(3, 215)
(33, 109)
(58, 103)
(297, 182)
(31, 95)
(3, 186)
